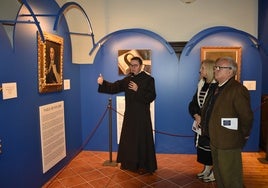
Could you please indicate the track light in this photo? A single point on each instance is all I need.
(188, 1)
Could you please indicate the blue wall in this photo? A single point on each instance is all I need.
(263, 37)
(251, 66)
(20, 161)
(175, 85)
(84, 107)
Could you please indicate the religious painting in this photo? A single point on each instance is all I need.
(50, 63)
(124, 57)
(215, 52)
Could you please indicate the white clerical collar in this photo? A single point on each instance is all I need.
(138, 73)
(223, 83)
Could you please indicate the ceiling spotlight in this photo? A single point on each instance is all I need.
(188, 1)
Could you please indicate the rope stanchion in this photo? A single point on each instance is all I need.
(110, 162)
(94, 130)
(170, 134)
(161, 132)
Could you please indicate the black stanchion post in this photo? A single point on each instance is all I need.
(110, 162)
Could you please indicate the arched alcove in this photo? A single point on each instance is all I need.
(81, 33)
(175, 82)
(251, 66)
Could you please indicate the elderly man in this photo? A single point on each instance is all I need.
(229, 118)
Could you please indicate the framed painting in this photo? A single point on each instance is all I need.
(124, 57)
(215, 52)
(50, 63)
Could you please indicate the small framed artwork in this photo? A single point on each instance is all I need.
(215, 52)
(50, 63)
(124, 57)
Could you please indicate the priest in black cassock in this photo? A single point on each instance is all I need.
(136, 151)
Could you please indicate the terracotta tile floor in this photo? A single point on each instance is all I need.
(87, 169)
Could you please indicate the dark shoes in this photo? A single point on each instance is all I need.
(142, 171)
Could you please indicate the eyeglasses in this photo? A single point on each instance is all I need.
(219, 68)
(134, 65)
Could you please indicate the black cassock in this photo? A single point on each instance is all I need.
(136, 147)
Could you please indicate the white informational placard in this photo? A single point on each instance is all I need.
(120, 108)
(9, 90)
(67, 84)
(52, 129)
(250, 84)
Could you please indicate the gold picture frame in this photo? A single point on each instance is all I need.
(214, 52)
(50, 63)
